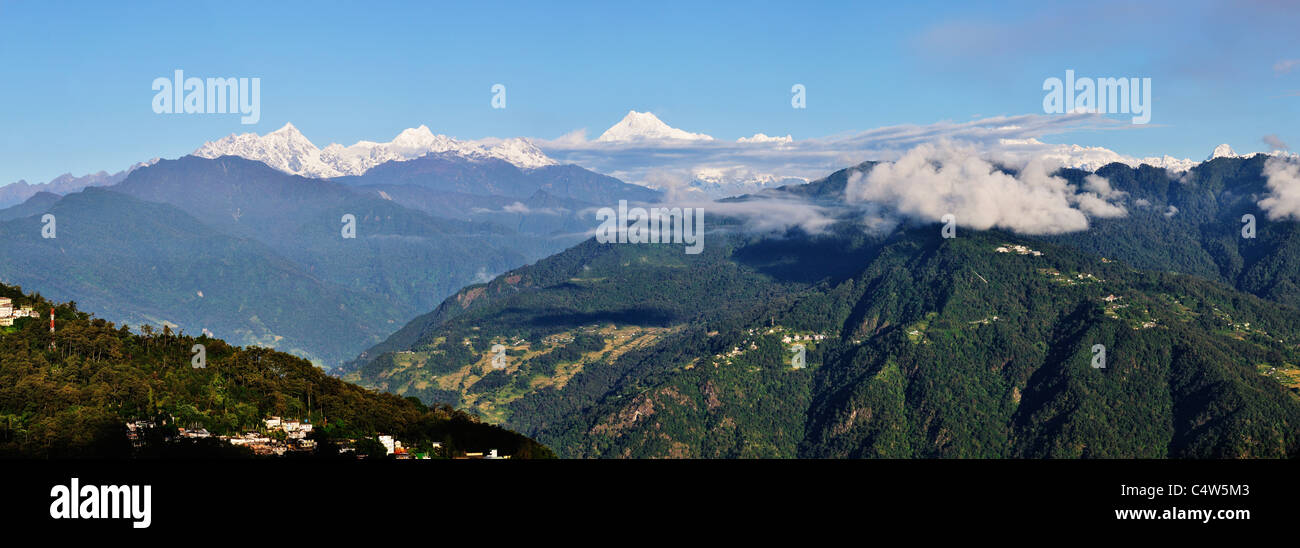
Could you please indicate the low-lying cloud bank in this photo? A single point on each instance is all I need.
(934, 180)
(1011, 139)
(926, 183)
(981, 190)
(762, 213)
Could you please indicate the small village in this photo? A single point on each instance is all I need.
(791, 340)
(1018, 249)
(281, 437)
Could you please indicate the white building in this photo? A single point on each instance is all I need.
(297, 430)
(197, 433)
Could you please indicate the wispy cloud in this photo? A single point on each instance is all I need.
(758, 213)
(1274, 142)
(522, 208)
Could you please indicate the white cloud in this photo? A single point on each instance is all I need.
(1283, 180)
(936, 179)
(1101, 186)
(673, 183)
(572, 138)
(522, 208)
(1097, 196)
(1097, 207)
(769, 214)
(925, 183)
(763, 138)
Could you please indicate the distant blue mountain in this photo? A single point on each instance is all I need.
(266, 250)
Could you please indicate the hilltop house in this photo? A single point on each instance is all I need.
(8, 314)
(390, 445)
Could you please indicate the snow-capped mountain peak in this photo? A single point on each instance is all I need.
(645, 126)
(1222, 151)
(287, 149)
(288, 129)
(416, 137)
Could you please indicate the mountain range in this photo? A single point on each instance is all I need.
(288, 150)
(254, 254)
(861, 332)
(909, 344)
(724, 169)
(20, 191)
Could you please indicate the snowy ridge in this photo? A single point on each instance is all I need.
(719, 182)
(1094, 158)
(1091, 158)
(288, 150)
(1225, 151)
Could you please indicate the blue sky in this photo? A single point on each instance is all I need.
(75, 93)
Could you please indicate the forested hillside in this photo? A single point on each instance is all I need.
(69, 394)
(986, 345)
